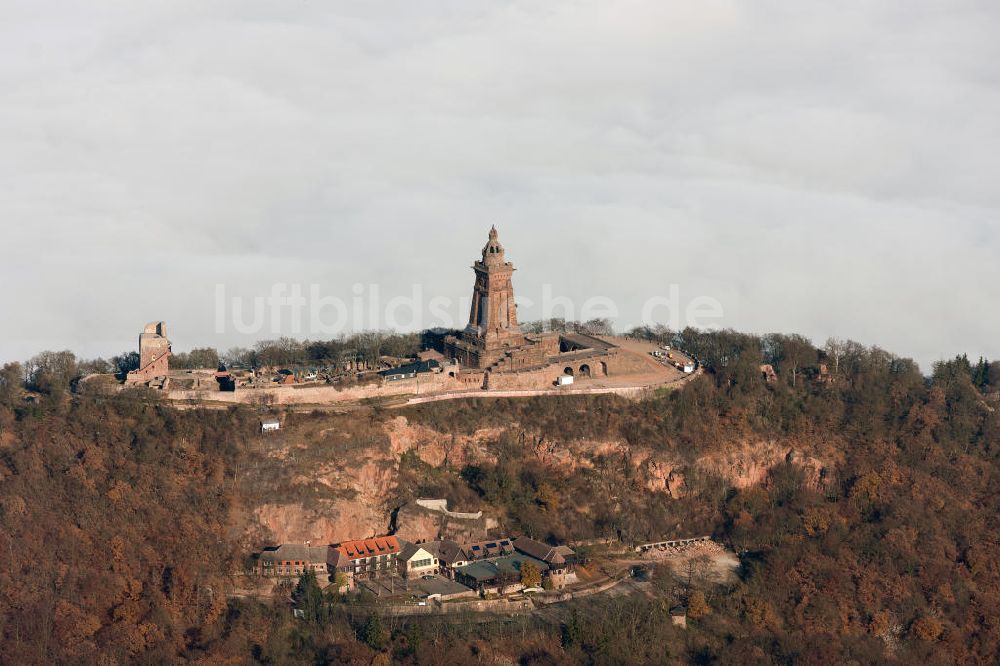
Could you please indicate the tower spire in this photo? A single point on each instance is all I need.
(493, 250)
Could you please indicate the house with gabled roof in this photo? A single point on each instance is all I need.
(365, 558)
(451, 555)
(484, 550)
(416, 561)
(498, 575)
(559, 559)
(292, 559)
(539, 549)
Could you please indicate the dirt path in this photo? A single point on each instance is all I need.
(629, 391)
(722, 564)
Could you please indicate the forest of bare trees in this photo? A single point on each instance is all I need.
(122, 517)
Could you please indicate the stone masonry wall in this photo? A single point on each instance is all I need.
(289, 395)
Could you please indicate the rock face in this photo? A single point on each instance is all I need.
(363, 485)
(418, 523)
(661, 473)
(748, 463)
(675, 484)
(744, 464)
(436, 448)
(358, 510)
(356, 491)
(327, 522)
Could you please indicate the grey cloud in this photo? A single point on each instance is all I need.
(823, 169)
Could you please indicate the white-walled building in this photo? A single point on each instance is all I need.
(415, 561)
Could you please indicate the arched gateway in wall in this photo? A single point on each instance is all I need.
(584, 371)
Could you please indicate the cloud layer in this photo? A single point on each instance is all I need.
(816, 168)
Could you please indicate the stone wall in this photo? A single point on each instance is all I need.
(594, 365)
(630, 392)
(290, 395)
(152, 370)
(471, 379)
(415, 522)
(615, 362)
(561, 597)
(503, 606)
(441, 505)
(524, 379)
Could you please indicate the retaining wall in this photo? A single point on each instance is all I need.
(441, 506)
(478, 606)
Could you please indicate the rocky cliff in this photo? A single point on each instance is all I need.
(331, 497)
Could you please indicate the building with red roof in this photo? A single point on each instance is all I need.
(365, 558)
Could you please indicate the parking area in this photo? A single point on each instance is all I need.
(389, 586)
(433, 586)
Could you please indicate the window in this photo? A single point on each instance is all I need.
(421, 563)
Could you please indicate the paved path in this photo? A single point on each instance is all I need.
(636, 391)
(640, 386)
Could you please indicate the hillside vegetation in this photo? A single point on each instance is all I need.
(124, 518)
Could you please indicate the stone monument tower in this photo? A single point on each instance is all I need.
(493, 316)
(493, 332)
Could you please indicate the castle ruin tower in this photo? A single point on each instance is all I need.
(493, 316)
(154, 352)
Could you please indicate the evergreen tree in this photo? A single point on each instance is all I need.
(373, 633)
(572, 631)
(981, 373)
(413, 636)
(309, 598)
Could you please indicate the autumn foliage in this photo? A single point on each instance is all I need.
(117, 534)
(123, 519)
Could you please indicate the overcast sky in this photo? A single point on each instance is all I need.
(824, 168)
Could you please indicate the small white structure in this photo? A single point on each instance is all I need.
(688, 368)
(441, 506)
(564, 380)
(270, 425)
